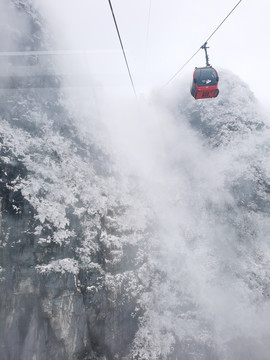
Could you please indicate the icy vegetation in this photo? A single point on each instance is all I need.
(130, 232)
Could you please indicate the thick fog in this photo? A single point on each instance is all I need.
(211, 220)
(197, 172)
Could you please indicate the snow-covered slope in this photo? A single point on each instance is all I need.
(131, 233)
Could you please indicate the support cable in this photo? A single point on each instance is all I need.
(123, 50)
(148, 23)
(203, 45)
(53, 52)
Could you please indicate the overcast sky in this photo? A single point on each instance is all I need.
(159, 42)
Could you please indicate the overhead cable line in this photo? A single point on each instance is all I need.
(148, 22)
(203, 45)
(52, 52)
(147, 37)
(122, 46)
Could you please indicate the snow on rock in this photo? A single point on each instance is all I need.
(59, 266)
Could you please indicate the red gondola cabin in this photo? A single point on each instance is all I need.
(205, 83)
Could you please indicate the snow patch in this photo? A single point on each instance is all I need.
(59, 266)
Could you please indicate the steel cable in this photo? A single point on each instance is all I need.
(200, 46)
(122, 46)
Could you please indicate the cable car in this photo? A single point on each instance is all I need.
(205, 81)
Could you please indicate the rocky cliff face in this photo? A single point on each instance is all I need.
(67, 232)
(165, 260)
